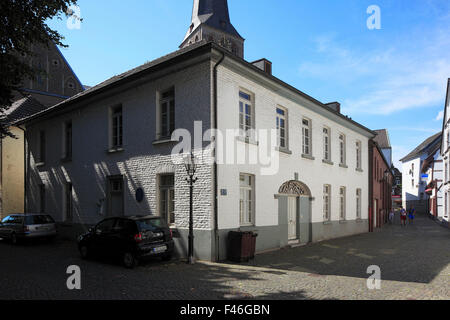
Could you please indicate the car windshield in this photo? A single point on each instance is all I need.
(15, 219)
(40, 219)
(151, 224)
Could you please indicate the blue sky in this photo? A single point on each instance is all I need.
(392, 78)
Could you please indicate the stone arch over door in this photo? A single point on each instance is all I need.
(303, 195)
(294, 188)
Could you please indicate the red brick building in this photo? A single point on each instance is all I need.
(380, 187)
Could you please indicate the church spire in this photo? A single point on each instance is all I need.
(211, 22)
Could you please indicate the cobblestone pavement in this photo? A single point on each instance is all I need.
(414, 262)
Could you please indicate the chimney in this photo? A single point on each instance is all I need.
(336, 106)
(263, 64)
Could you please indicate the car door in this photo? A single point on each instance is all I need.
(102, 237)
(123, 236)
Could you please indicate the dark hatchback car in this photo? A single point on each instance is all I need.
(129, 238)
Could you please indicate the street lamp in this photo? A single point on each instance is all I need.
(190, 163)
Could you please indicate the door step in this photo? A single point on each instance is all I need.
(294, 242)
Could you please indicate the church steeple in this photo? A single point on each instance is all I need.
(211, 22)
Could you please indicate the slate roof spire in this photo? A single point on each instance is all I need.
(211, 22)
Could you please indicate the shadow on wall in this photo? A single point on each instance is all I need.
(84, 213)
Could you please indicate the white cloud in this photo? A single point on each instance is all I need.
(440, 116)
(394, 79)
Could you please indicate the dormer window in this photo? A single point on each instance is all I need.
(191, 28)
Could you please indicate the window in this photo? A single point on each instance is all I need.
(281, 128)
(42, 198)
(326, 144)
(412, 169)
(167, 198)
(326, 202)
(306, 131)
(68, 140)
(117, 129)
(105, 226)
(358, 155)
(358, 203)
(342, 149)
(448, 138)
(68, 202)
(115, 197)
(342, 199)
(412, 183)
(42, 146)
(167, 114)
(245, 113)
(247, 188)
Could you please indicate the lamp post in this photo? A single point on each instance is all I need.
(190, 164)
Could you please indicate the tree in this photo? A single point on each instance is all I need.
(22, 23)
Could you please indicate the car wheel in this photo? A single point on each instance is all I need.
(13, 238)
(129, 260)
(167, 257)
(84, 251)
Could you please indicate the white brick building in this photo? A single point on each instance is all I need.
(445, 148)
(413, 185)
(90, 156)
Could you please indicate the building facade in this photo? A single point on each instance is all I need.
(413, 184)
(55, 81)
(445, 154)
(433, 170)
(380, 194)
(284, 165)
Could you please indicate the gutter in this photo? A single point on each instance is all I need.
(215, 121)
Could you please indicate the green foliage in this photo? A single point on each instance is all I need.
(23, 22)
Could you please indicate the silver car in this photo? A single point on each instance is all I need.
(26, 226)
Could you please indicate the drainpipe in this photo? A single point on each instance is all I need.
(371, 213)
(25, 167)
(215, 121)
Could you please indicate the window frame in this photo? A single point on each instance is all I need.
(68, 143)
(279, 118)
(167, 106)
(342, 149)
(167, 189)
(326, 145)
(243, 203)
(246, 130)
(308, 136)
(358, 155)
(342, 203)
(326, 210)
(116, 127)
(358, 203)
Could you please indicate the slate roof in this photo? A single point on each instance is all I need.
(421, 148)
(22, 109)
(382, 139)
(171, 59)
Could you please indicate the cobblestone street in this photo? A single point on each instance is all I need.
(414, 262)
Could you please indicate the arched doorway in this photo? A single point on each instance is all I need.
(294, 209)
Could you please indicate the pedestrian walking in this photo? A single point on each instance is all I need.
(403, 217)
(391, 216)
(411, 215)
